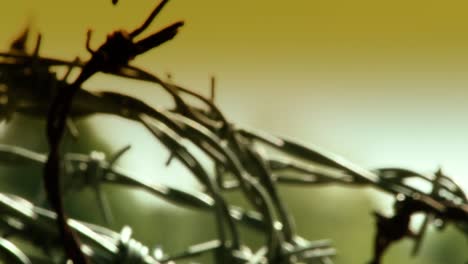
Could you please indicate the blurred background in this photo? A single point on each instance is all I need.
(381, 83)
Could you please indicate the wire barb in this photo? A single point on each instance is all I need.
(150, 19)
(252, 162)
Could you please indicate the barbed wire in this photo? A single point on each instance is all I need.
(240, 156)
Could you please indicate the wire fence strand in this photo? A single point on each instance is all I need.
(239, 152)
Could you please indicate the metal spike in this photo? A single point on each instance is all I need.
(19, 44)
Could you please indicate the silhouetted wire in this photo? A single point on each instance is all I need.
(235, 151)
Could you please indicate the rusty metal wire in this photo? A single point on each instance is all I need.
(29, 86)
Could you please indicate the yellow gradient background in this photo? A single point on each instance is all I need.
(383, 83)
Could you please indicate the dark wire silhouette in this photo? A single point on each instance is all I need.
(28, 86)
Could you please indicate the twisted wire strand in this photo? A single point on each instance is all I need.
(233, 149)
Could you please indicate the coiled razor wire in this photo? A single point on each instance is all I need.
(239, 154)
